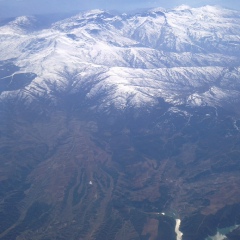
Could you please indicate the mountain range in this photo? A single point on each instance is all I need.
(121, 126)
(185, 56)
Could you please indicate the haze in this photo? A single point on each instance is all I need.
(9, 8)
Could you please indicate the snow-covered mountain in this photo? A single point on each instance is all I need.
(185, 56)
(101, 133)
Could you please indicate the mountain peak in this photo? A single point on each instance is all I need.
(134, 60)
(94, 12)
(19, 25)
(23, 22)
(182, 7)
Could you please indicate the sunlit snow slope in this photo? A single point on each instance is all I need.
(185, 56)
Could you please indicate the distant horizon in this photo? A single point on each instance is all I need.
(14, 8)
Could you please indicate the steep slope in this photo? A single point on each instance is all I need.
(120, 127)
(184, 56)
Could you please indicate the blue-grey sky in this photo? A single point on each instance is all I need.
(27, 7)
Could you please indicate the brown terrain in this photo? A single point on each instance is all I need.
(69, 177)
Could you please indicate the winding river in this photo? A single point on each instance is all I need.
(177, 231)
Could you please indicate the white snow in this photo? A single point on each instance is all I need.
(134, 63)
(182, 7)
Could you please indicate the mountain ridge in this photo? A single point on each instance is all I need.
(95, 43)
(121, 126)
